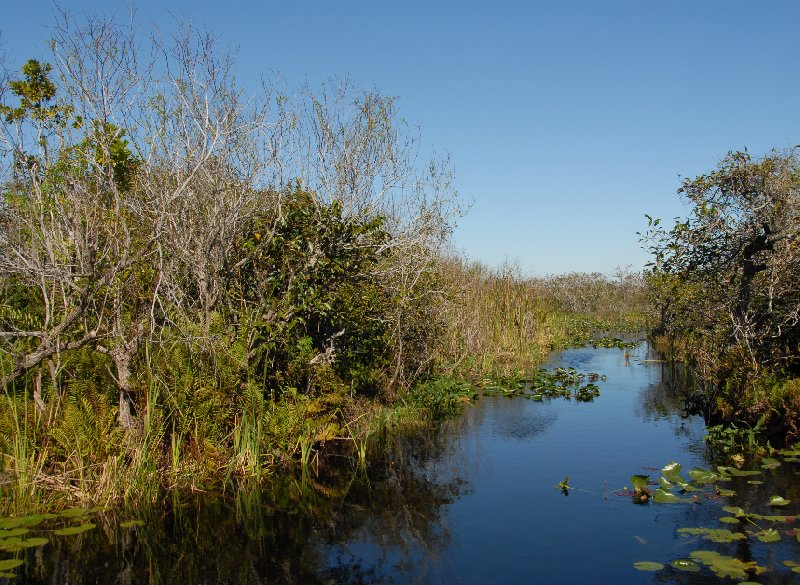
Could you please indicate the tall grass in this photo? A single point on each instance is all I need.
(201, 428)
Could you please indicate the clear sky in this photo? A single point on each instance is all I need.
(566, 120)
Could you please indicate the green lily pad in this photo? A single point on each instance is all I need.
(70, 530)
(770, 463)
(7, 523)
(33, 542)
(703, 476)
(74, 513)
(648, 566)
(685, 565)
(779, 501)
(672, 471)
(735, 510)
(6, 575)
(13, 532)
(754, 482)
(662, 497)
(131, 523)
(10, 544)
(740, 472)
(640, 482)
(725, 492)
(7, 564)
(714, 534)
(729, 520)
(769, 535)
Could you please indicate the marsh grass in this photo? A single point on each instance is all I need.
(203, 429)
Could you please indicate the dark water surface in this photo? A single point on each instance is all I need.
(474, 503)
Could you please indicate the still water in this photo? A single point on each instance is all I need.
(475, 502)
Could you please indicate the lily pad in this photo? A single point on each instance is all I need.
(725, 492)
(648, 566)
(740, 472)
(74, 513)
(770, 463)
(131, 523)
(729, 520)
(685, 565)
(769, 535)
(672, 471)
(7, 564)
(703, 476)
(13, 532)
(7, 523)
(779, 501)
(662, 497)
(755, 482)
(640, 482)
(33, 542)
(735, 510)
(70, 530)
(714, 534)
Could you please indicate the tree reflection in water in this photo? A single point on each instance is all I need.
(284, 533)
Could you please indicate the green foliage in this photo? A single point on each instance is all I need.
(725, 282)
(312, 283)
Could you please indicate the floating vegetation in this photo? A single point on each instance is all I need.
(16, 533)
(745, 525)
(648, 566)
(685, 565)
(565, 383)
(725, 566)
(608, 342)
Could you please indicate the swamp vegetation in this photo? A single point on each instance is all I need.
(210, 298)
(199, 286)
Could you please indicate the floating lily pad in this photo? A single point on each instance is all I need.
(662, 497)
(7, 564)
(7, 523)
(640, 482)
(725, 492)
(7, 575)
(70, 530)
(725, 566)
(33, 542)
(73, 513)
(735, 510)
(685, 565)
(13, 532)
(703, 476)
(739, 472)
(10, 544)
(672, 471)
(131, 523)
(729, 520)
(714, 534)
(755, 482)
(770, 463)
(779, 501)
(769, 535)
(648, 566)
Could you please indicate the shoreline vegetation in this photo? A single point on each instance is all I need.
(725, 284)
(199, 286)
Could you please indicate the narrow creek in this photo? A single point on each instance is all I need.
(476, 502)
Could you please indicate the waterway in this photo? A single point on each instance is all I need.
(476, 501)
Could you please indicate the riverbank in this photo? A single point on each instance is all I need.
(75, 452)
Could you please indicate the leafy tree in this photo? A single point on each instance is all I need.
(727, 277)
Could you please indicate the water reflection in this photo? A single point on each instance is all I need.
(474, 502)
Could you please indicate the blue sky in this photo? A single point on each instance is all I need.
(566, 120)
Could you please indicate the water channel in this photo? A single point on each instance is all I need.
(475, 502)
